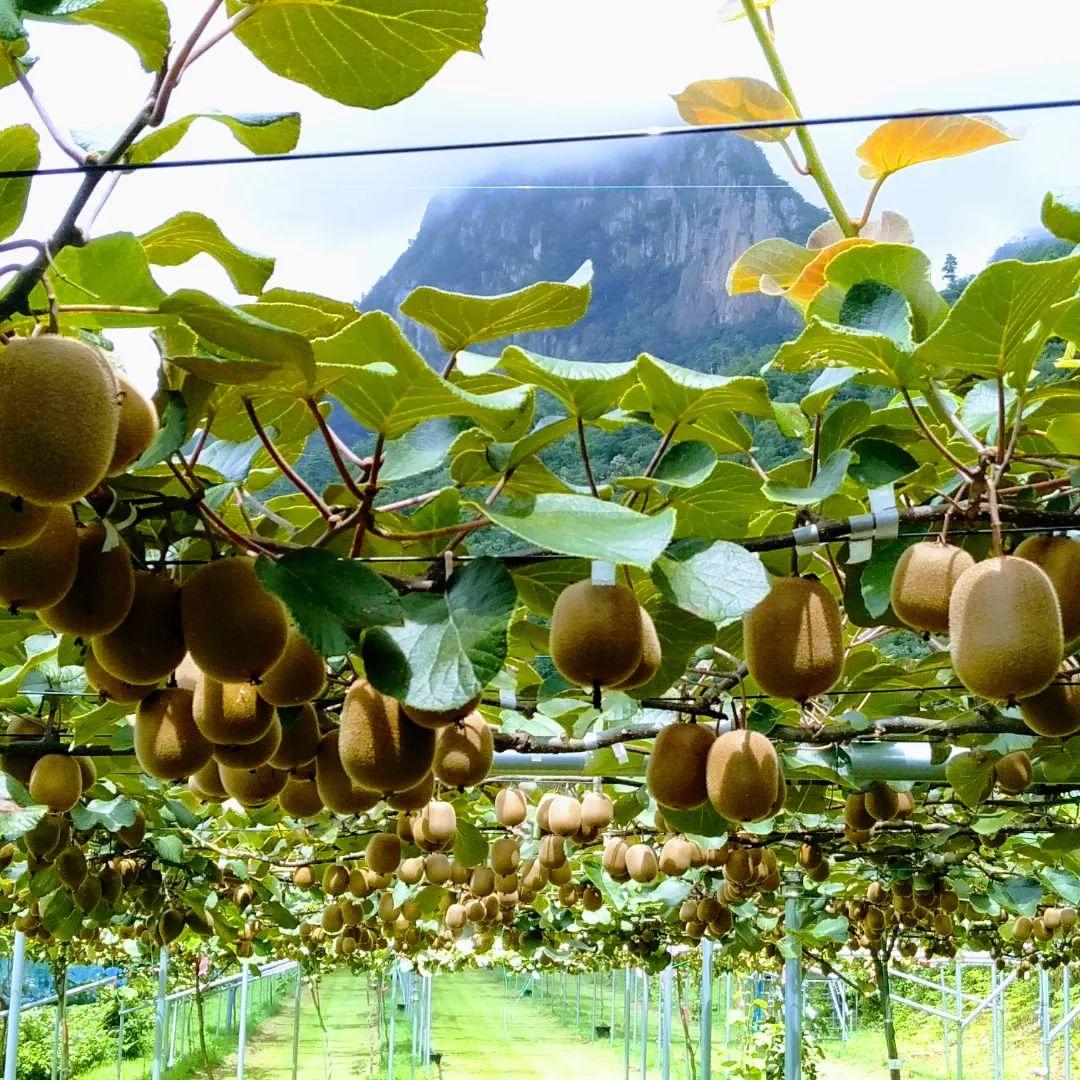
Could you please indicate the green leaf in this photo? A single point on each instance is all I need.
(143, 24)
(719, 582)
(386, 386)
(18, 150)
(681, 635)
(369, 53)
(424, 448)
(587, 390)
(188, 234)
(704, 821)
(824, 387)
(539, 583)
(171, 435)
(790, 419)
(999, 325)
(970, 776)
(822, 345)
(55, 908)
(679, 395)
(685, 465)
(461, 321)
(450, 646)
(11, 30)
(170, 849)
(329, 598)
(309, 314)
(585, 526)
(261, 133)
(470, 847)
(240, 332)
(723, 505)
(827, 482)
(111, 814)
(16, 823)
(875, 580)
(879, 462)
(1061, 217)
(869, 305)
(1065, 884)
(1020, 895)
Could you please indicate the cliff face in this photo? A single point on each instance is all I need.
(662, 220)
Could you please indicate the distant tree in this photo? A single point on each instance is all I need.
(948, 270)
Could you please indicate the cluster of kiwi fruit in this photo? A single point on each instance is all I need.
(865, 809)
(931, 911)
(1009, 618)
(1043, 927)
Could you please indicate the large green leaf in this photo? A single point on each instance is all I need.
(676, 395)
(18, 150)
(461, 321)
(450, 646)
(539, 583)
(878, 462)
(587, 527)
(824, 345)
(1061, 216)
(143, 24)
(723, 505)
(261, 133)
(369, 53)
(719, 582)
(188, 234)
(999, 325)
(309, 314)
(329, 598)
(971, 776)
(384, 383)
(587, 390)
(827, 482)
(681, 635)
(1020, 895)
(684, 465)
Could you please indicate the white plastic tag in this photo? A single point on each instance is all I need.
(807, 539)
(860, 538)
(590, 740)
(507, 699)
(603, 573)
(620, 753)
(886, 516)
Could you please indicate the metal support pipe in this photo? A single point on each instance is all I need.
(296, 1020)
(792, 995)
(18, 963)
(393, 1017)
(959, 1020)
(159, 1012)
(1044, 1018)
(665, 1022)
(1065, 988)
(241, 1040)
(644, 1024)
(705, 1008)
(626, 1023)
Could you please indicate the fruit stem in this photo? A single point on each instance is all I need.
(583, 446)
(941, 448)
(332, 446)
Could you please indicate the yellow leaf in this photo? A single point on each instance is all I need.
(812, 278)
(735, 101)
(778, 260)
(733, 9)
(900, 143)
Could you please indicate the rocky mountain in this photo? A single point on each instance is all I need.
(662, 220)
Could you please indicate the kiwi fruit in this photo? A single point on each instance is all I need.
(464, 752)
(304, 877)
(45, 837)
(1005, 625)
(149, 644)
(505, 855)
(923, 581)
(206, 783)
(336, 789)
(250, 755)
(168, 744)
(510, 807)
(88, 771)
(597, 811)
(101, 594)
(299, 736)
(596, 634)
(38, 574)
(109, 687)
(881, 802)
(133, 835)
(414, 798)
(651, 656)
(1013, 772)
(298, 676)
(856, 814)
(136, 430)
(437, 868)
(383, 853)
(21, 765)
(676, 773)
(614, 859)
(1059, 557)
(56, 782)
(253, 787)
(88, 895)
(21, 522)
(59, 415)
(676, 857)
(439, 718)
(641, 863)
(437, 822)
(234, 629)
(231, 714)
(743, 776)
(299, 798)
(1053, 712)
(793, 640)
(381, 748)
(564, 816)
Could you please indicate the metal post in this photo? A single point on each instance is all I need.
(665, 1022)
(792, 995)
(55, 1071)
(160, 1013)
(1067, 1074)
(577, 1003)
(296, 1020)
(174, 1011)
(393, 1017)
(611, 1025)
(995, 1023)
(727, 1008)
(427, 1021)
(241, 1038)
(120, 1047)
(959, 1020)
(1044, 1019)
(626, 1023)
(644, 1024)
(705, 1008)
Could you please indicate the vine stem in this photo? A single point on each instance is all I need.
(583, 446)
(941, 448)
(814, 165)
(176, 68)
(935, 399)
(77, 154)
(241, 16)
(332, 446)
(371, 489)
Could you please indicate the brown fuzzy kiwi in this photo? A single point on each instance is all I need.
(231, 714)
(1005, 625)
(1053, 712)
(100, 597)
(168, 745)
(505, 855)
(641, 863)
(881, 802)
(253, 787)
(206, 783)
(905, 803)
(1059, 557)
(856, 814)
(38, 574)
(676, 857)
(922, 582)
(21, 765)
(464, 752)
(510, 807)
(596, 634)
(383, 853)
(1013, 772)
(56, 782)
(564, 815)
(651, 656)
(339, 793)
(250, 755)
(88, 894)
(381, 748)
(133, 835)
(614, 858)
(299, 736)
(137, 428)
(300, 798)
(439, 718)
(437, 868)
(597, 810)
(299, 676)
(111, 688)
(88, 771)
(59, 415)
(149, 644)
(414, 798)
(743, 776)
(234, 629)
(21, 522)
(438, 822)
(794, 645)
(676, 773)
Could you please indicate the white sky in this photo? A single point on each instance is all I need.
(556, 66)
